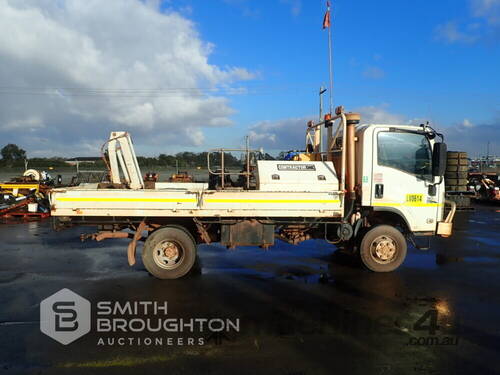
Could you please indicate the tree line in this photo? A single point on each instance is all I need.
(14, 156)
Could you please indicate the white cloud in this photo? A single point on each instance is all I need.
(484, 24)
(467, 124)
(295, 6)
(289, 134)
(380, 115)
(27, 124)
(283, 134)
(466, 136)
(450, 33)
(374, 72)
(116, 64)
(246, 7)
(489, 9)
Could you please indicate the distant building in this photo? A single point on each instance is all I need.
(82, 160)
(486, 164)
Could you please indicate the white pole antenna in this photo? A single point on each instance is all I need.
(327, 23)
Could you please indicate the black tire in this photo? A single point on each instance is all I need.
(378, 237)
(169, 253)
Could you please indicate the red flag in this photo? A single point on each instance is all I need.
(326, 20)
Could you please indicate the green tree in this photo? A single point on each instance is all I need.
(166, 160)
(12, 153)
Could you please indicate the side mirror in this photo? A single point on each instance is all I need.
(439, 159)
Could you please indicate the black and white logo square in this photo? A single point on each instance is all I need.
(65, 316)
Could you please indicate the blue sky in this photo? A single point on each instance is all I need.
(196, 74)
(436, 60)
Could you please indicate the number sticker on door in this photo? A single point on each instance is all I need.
(414, 198)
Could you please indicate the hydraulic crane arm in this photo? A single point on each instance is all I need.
(122, 158)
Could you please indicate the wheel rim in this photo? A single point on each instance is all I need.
(383, 249)
(168, 254)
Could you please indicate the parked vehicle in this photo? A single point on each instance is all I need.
(372, 189)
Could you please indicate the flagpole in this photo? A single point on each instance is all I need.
(330, 60)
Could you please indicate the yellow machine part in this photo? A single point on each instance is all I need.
(14, 188)
(307, 157)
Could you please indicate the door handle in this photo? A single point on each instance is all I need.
(379, 191)
(432, 191)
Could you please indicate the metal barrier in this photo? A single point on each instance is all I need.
(223, 173)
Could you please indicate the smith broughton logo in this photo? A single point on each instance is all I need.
(65, 316)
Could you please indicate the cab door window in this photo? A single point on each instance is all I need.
(407, 152)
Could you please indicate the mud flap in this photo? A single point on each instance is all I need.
(133, 244)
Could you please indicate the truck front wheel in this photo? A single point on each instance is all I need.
(169, 253)
(383, 249)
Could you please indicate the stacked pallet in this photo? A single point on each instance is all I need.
(456, 174)
(457, 167)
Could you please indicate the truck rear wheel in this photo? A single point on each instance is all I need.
(169, 253)
(383, 249)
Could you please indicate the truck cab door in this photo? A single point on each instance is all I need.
(402, 173)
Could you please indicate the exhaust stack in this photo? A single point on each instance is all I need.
(352, 119)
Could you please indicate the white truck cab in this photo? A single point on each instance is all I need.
(395, 174)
